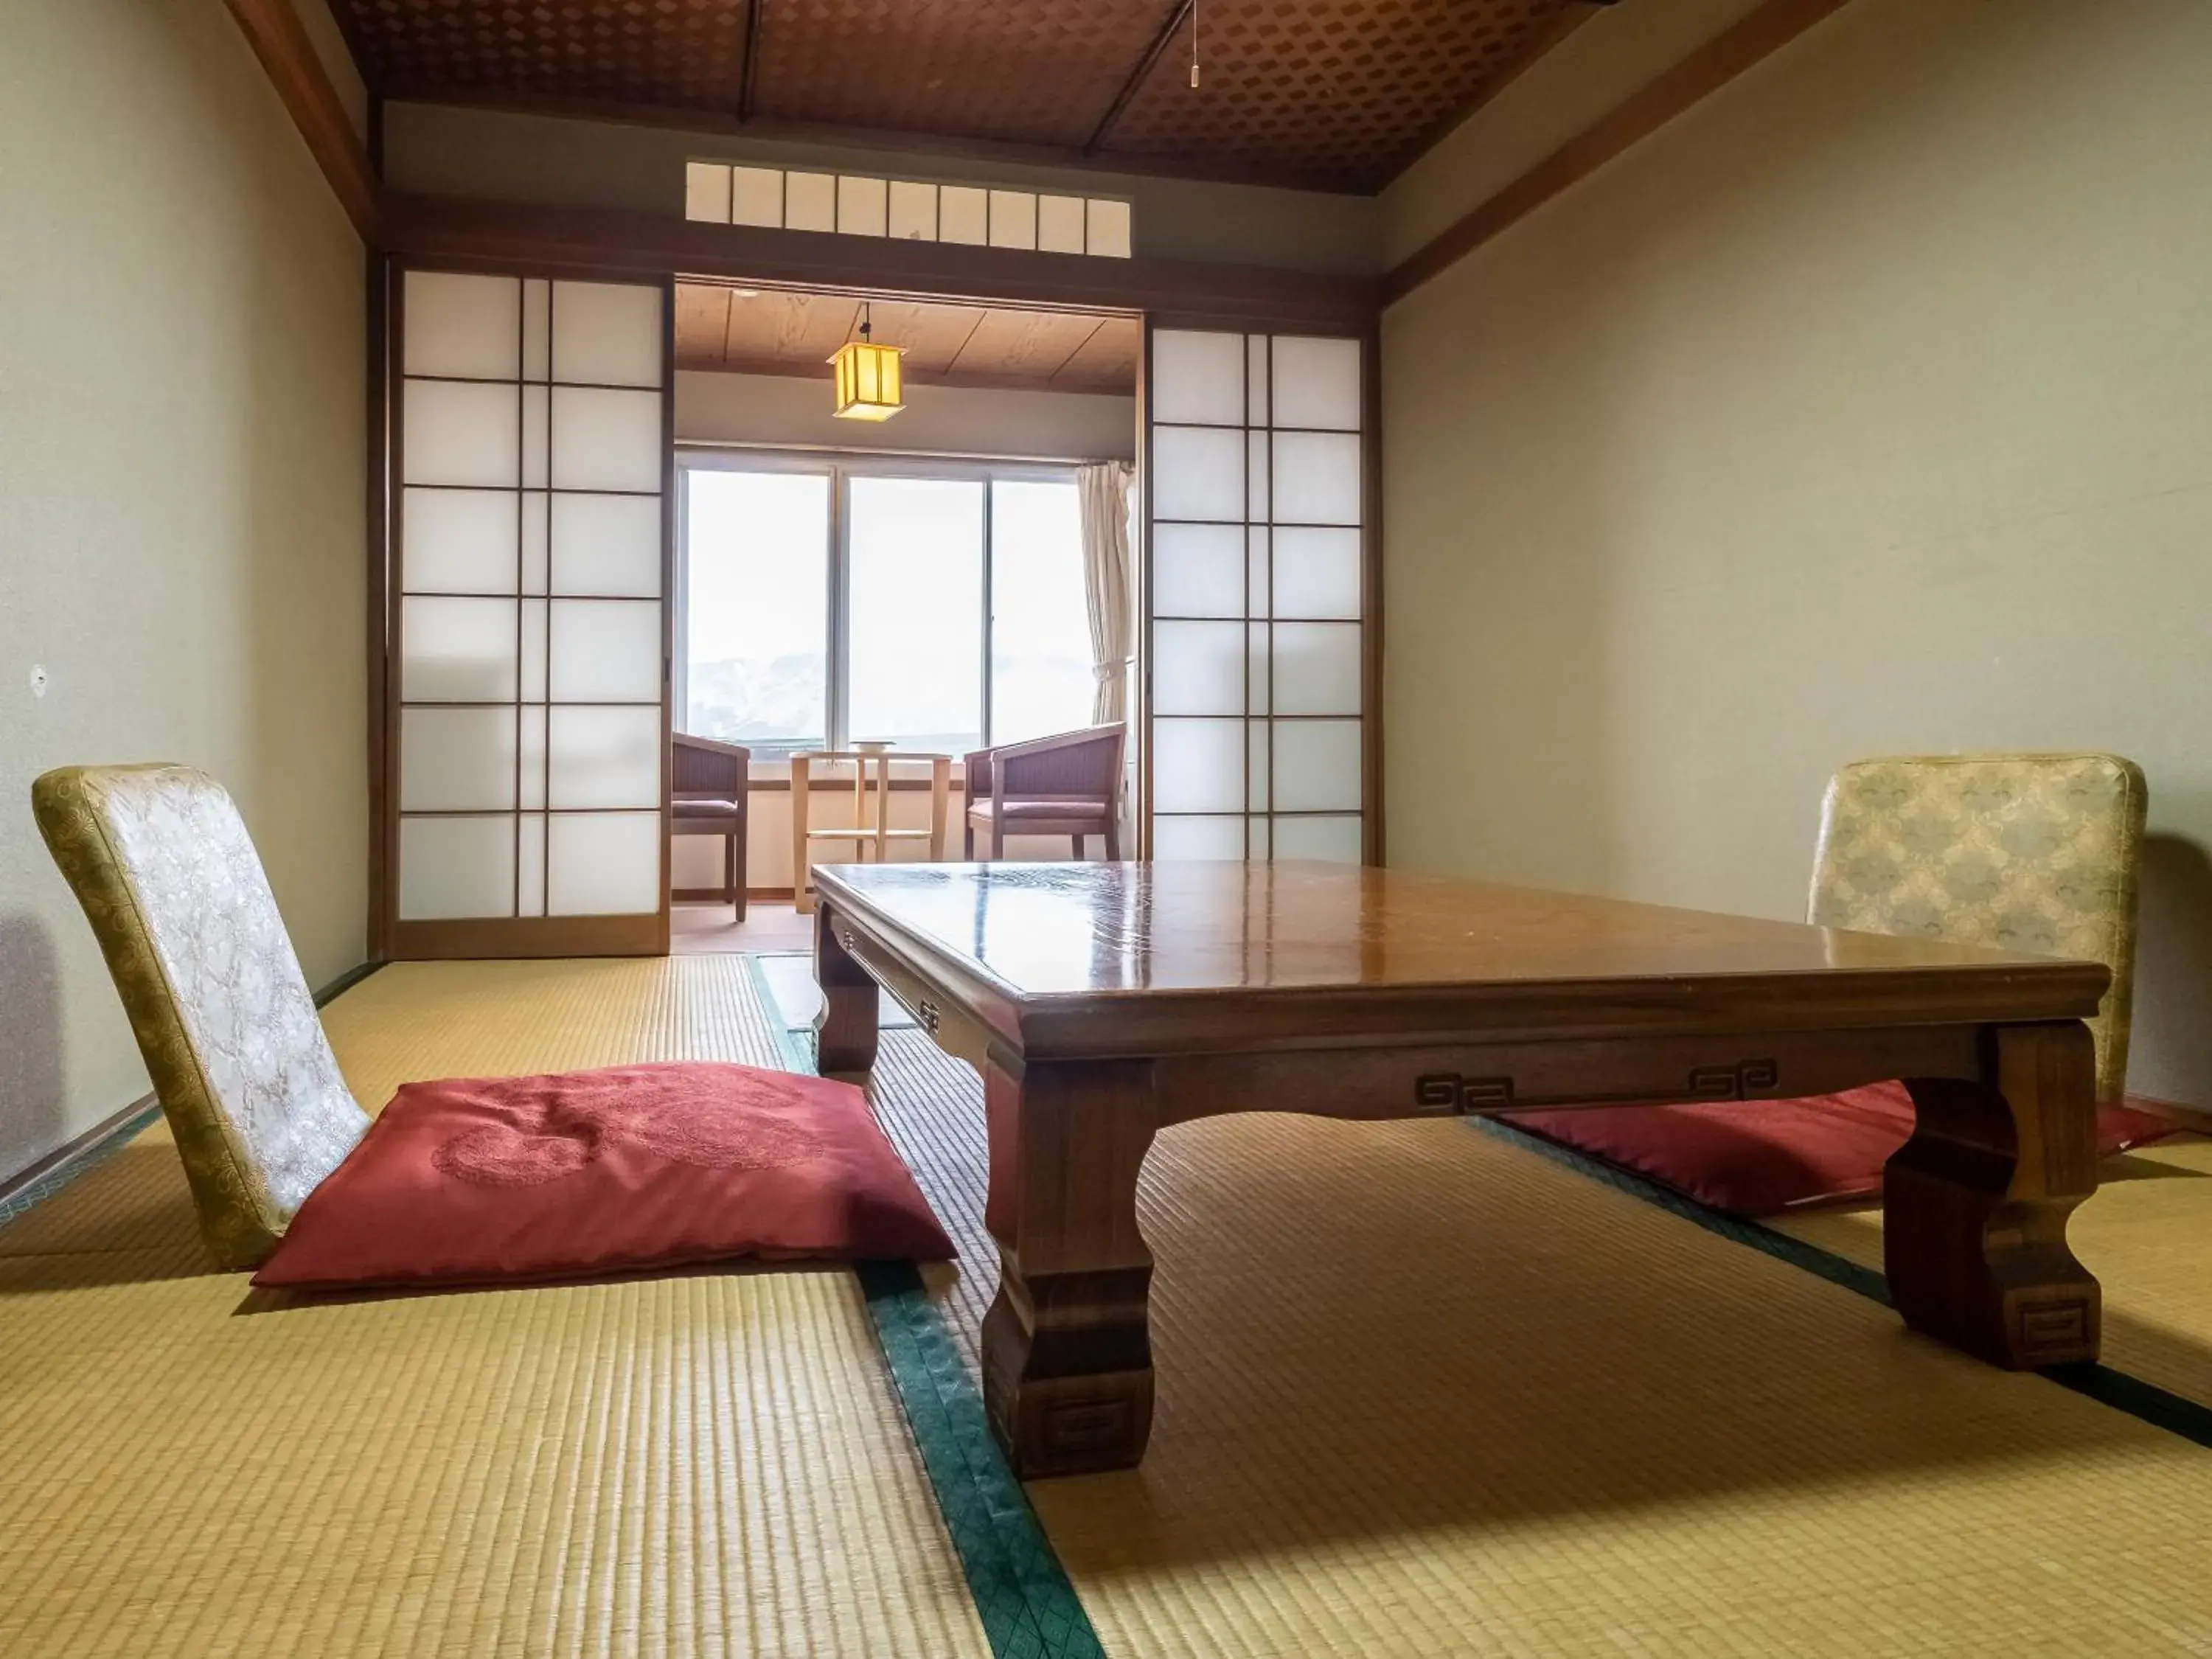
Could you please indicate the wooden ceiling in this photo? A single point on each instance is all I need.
(774, 331)
(1338, 94)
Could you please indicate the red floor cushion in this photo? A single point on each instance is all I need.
(489, 1181)
(1761, 1157)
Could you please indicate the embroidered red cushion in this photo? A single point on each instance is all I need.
(1761, 1157)
(487, 1181)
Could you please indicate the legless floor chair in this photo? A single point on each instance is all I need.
(460, 1181)
(2032, 853)
(175, 893)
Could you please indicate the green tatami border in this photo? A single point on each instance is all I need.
(1029, 1608)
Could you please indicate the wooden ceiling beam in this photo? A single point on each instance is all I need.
(500, 234)
(1178, 15)
(1760, 32)
(280, 40)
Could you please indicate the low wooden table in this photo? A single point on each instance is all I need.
(1102, 1002)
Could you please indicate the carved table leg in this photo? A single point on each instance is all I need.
(1975, 1205)
(1067, 1363)
(845, 1030)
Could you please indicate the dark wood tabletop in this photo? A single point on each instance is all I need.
(1068, 959)
(1103, 1002)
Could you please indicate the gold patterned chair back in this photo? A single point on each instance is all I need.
(2030, 853)
(168, 877)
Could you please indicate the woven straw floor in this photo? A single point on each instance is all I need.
(704, 1465)
(2147, 1236)
(1423, 1391)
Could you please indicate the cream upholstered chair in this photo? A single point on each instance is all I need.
(168, 877)
(2030, 852)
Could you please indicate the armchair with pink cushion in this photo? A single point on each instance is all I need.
(1068, 785)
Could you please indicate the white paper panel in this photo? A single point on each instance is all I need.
(606, 333)
(1255, 765)
(602, 864)
(1317, 573)
(536, 329)
(534, 629)
(465, 326)
(1316, 477)
(1255, 477)
(810, 201)
(1197, 766)
(605, 439)
(1258, 698)
(1316, 383)
(1198, 838)
(457, 541)
(1109, 230)
(458, 434)
(1198, 473)
(452, 867)
(1198, 379)
(529, 888)
(603, 757)
(457, 650)
(1335, 840)
(1198, 570)
(963, 215)
(863, 205)
(1316, 766)
(706, 192)
(1258, 577)
(914, 211)
(1060, 224)
(1198, 668)
(534, 756)
(607, 545)
(1014, 219)
(457, 760)
(605, 651)
(537, 436)
(537, 536)
(1255, 377)
(1317, 668)
(757, 196)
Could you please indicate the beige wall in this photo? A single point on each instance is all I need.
(1865, 409)
(180, 497)
(938, 420)
(440, 150)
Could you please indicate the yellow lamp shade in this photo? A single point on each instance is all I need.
(868, 381)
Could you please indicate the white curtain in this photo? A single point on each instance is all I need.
(1104, 487)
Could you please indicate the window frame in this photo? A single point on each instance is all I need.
(841, 467)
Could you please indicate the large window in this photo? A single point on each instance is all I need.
(939, 607)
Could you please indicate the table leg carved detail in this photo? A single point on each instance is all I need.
(1067, 1361)
(1976, 1202)
(845, 1030)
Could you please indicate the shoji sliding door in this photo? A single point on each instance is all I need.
(1257, 491)
(528, 642)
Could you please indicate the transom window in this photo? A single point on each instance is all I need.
(938, 606)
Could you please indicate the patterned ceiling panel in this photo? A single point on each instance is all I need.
(1342, 90)
(682, 54)
(1336, 92)
(1037, 71)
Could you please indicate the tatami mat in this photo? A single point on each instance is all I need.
(704, 1465)
(1424, 1391)
(2147, 1235)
